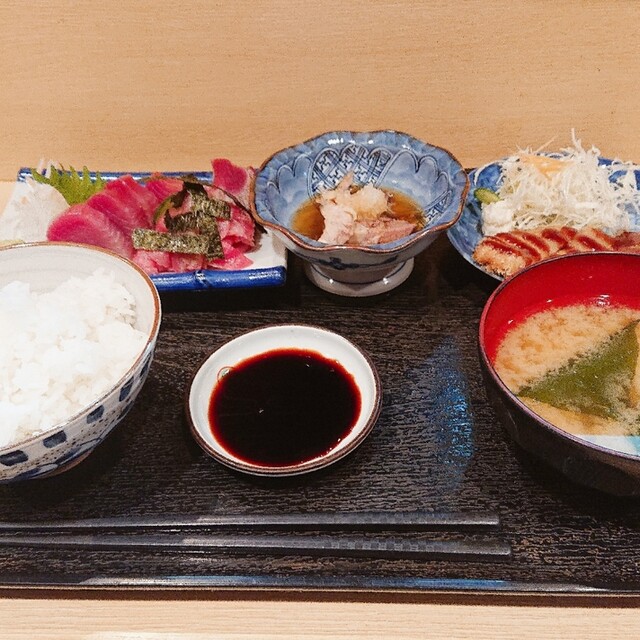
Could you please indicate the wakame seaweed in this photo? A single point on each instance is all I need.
(596, 383)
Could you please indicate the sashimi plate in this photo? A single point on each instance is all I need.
(466, 234)
(268, 266)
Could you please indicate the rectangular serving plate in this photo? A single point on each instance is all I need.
(269, 260)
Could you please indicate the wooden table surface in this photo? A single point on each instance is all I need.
(151, 85)
(109, 616)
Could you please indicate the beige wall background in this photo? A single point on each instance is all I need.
(159, 85)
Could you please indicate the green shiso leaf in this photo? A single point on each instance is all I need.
(597, 383)
(75, 187)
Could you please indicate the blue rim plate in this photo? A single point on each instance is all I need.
(467, 232)
(269, 268)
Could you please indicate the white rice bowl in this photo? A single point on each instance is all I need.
(79, 327)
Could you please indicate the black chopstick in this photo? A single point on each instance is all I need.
(325, 520)
(340, 546)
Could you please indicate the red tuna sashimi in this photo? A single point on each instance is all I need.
(183, 262)
(234, 259)
(126, 203)
(166, 262)
(163, 187)
(84, 224)
(127, 187)
(233, 179)
(238, 230)
(152, 261)
(108, 218)
(237, 235)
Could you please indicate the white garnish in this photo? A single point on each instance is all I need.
(572, 190)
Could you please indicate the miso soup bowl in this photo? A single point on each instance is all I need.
(44, 266)
(331, 346)
(606, 463)
(429, 175)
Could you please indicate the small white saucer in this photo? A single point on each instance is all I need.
(272, 338)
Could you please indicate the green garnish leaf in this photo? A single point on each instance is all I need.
(597, 383)
(486, 196)
(75, 187)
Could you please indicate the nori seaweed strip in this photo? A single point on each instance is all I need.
(215, 249)
(201, 201)
(200, 220)
(195, 231)
(210, 206)
(152, 240)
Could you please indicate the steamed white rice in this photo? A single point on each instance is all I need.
(61, 350)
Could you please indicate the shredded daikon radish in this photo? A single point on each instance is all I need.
(28, 215)
(570, 188)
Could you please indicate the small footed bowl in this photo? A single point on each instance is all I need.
(326, 344)
(429, 175)
(44, 266)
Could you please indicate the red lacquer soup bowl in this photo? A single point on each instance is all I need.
(604, 462)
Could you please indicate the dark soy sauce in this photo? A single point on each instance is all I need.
(283, 407)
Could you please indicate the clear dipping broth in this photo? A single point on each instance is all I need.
(308, 220)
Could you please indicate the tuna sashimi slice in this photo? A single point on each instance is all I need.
(183, 262)
(233, 179)
(240, 228)
(84, 224)
(234, 260)
(152, 261)
(162, 187)
(126, 203)
(130, 190)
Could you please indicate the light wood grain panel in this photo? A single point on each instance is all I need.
(164, 619)
(146, 84)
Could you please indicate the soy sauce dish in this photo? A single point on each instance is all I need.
(283, 400)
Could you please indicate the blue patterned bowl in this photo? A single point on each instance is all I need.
(45, 265)
(429, 175)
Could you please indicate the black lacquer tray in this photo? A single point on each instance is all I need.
(437, 447)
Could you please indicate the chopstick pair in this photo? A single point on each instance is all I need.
(102, 536)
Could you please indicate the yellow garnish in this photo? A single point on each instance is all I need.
(544, 164)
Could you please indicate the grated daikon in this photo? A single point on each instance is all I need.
(572, 188)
